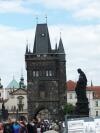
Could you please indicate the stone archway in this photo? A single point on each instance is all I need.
(43, 113)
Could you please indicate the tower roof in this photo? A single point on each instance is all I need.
(42, 41)
(13, 84)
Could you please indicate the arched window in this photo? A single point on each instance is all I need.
(20, 103)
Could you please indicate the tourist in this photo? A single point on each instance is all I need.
(31, 126)
(8, 127)
(23, 128)
(16, 127)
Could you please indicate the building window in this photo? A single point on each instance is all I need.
(20, 103)
(93, 94)
(96, 103)
(70, 96)
(37, 73)
(96, 113)
(33, 73)
(50, 73)
(47, 73)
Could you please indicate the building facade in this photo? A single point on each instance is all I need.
(16, 95)
(46, 75)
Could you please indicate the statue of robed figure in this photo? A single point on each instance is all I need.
(82, 109)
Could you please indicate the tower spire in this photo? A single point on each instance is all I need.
(42, 40)
(91, 83)
(61, 47)
(46, 18)
(26, 46)
(36, 19)
(1, 86)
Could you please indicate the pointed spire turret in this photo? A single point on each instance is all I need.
(27, 47)
(91, 84)
(46, 18)
(1, 86)
(56, 47)
(61, 47)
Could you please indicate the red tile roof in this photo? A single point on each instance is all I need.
(96, 89)
(71, 85)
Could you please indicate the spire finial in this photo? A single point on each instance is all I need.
(21, 72)
(91, 83)
(36, 19)
(60, 32)
(46, 18)
(26, 41)
(13, 77)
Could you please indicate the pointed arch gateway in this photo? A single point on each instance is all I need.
(43, 113)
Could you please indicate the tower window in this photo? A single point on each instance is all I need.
(50, 73)
(47, 73)
(37, 73)
(33, 73)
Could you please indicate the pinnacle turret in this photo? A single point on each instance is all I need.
(61, 47)
(1, 86)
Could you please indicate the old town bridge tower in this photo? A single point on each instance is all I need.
(46, 75)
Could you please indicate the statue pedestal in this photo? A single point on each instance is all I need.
(82, 108)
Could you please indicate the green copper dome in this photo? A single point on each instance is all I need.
(13, 84)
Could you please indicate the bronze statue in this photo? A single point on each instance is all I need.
(81, 85)
(82, 108)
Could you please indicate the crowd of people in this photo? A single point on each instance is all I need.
(21, 126)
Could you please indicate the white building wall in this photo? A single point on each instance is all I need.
(71, 98)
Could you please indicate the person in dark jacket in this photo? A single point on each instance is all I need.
(31, 126)
(8, 127)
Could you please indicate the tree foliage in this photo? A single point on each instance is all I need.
(69, 109)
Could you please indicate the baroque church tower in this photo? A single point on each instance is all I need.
(46, 75)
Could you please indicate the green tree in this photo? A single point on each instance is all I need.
(69, 109)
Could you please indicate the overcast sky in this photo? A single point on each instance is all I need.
(77, 20)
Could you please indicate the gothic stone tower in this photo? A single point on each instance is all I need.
(46, 75)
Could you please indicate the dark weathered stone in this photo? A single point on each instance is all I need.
(82, 108)
(46, 75)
